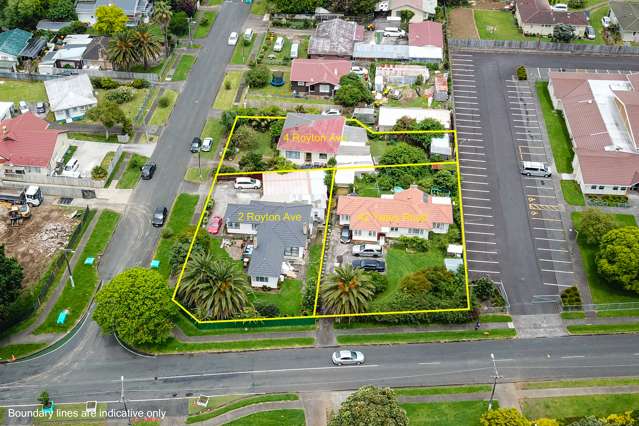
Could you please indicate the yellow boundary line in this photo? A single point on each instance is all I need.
(333, 170)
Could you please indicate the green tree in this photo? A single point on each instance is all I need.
(588, 421)
(217, 288)
(353, 7)
(136, 305)
(545, 422)
(62, 10)
(370, 406)
(258, 76)
(563, 33)
(504, 417)
(428, 124)
(252, 161)
(445, 180)
(405, 15)
(162, 16)
(108, 114)
(179, 24)
(297, 6)
(110, 19)
(22, 13)
(75, 27)
(618, 257)
(148, 45)
(404, 124)
(11, 276)
(44, 398)
(352, 91)
(347, 291)
(244, 137)
(123, 51)
(594, 225)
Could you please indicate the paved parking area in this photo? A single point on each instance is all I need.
(224, 194)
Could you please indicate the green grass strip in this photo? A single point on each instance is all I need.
(495, 318)
(603, 328)
(19, 350)
(605, 381)
(618, 313)
(441, 390)
(437, 336)
(242, 403)
(572, 193)
(176, 346)
(557, 131)
(190, 329)
(573, 315)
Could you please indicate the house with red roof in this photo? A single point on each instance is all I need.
(537, 17)
(602, 116)
(318, 76)
(28, 146)
(409, 213)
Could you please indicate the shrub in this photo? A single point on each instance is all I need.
(140, 83)
(164, 102)
(104, 83)
(98, 173)
(413, 243)
(267, 310)
(246, 42)
(204, 21)
(576, 4)
(379, 281)
(120, 95)
(227, 84)
(571, 297)
(504, 416)
(179, 24)
(521, 73)
(419, 80)
(258, 76)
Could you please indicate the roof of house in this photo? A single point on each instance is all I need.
(441, 82)
(366, 50)
(12, 42)
(601, 111)
(539, 12)
(427, 33)
(327, 71)
(33, 47)
(272, 237)
(388, 116)
(627, 13)
(411, 208)
(129, 6)
(27, 141)
(96, 50)
(53, 26)
(311, 133)
(335, 37)
(452, 264)
(70, 92)
(423, 5)
(294, 187)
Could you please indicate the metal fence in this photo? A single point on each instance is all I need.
(27, 76)
(120, 75)
(599, 307)
(590, 49)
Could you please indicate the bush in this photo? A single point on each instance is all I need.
(258, 76)
(576, 4)
(521, 73)
(227, 84)
(104, 83)
(164, 102)
(379, 281)
(120, 95)
(98, 173)
(413, 243)
(140, 83)
(179, 24)
(267, 310)
(571, 297)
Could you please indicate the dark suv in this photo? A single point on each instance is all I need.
(196, 144)
(370, 264)
(147, 171)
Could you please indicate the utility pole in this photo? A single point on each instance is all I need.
(494, 377)
(190, 20)
(66, 259)
(123, 400)
(199, 164)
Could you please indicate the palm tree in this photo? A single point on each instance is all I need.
(162, 15)
(148, 45)
(122, 50)
(216, 288)
(347, 291)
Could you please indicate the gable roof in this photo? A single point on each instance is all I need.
(335, 37)
(27, 141)
(540, 12)
(411, 208)
(311, 133)
(70, 92)
(423, 5)
(425, 33)
(627, 13)
(96, 50)
(306, 186)
(12, 42)
(315, 71)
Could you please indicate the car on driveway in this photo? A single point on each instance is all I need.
(345, 235)
(348, 358)
(394, 32)
(590, 33)
(41, 107)
(247, 183)
(147, 171)
(207, 143)
(196, 143)
(159, 216)
(367, 250)
(369, 265)
(232, 39)
(361, 71)
(214, 225)
(605, 21)
(331, 111)
(24, 107)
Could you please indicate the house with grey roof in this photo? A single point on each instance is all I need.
(18, 44)
(136, 10)
(625, 14)
(334, 39)
(70, 97)
(280, 233)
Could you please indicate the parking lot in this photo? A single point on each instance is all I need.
(224, 194)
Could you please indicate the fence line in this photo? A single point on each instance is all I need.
(54, 180)
(121, 75)
(601, 307)
(592, 49)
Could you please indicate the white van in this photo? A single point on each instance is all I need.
(294, 50)
(247, 183)
(71, 168)
(248, 34)
(535, 168)
(367, 250)
(279, 44)
(394, 32)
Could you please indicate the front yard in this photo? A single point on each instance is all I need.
(130, 108)
(288, 298)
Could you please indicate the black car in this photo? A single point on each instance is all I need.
(345, 235)
(159, 216)
(196, 144)
(41, 108)
(147, 171)
(370, 264)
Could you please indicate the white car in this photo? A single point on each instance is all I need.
(348, 358)
(233, 39)
(394, 32)
(605, 21)
(23, 107)
(279, 44)
(359, 70)
(206, 144)
(560, 7)
(331, 111)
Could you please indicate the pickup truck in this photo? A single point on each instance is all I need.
(30, 195)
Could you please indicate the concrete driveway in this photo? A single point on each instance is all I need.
(224, 194)
(90, 154)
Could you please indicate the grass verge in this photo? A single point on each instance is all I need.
(75, 300)
(191, 330)
(175, 346)
(197, 175)
(557, 131)
(465, 413)
(241, 403)
(618, 313)
(20, 350)
(495, 318)
(272, 418)
(183, 67)
(435, 336)
(131, 175)
(225, 97)
(576, 406)
(441, 390)
(612, 381)
(204, 25)
(93, 137)
(161, 115)
(573, 315)
(572, 193)
(603, 328)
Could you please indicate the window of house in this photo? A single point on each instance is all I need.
(593, 186)
(323, 156)
(414, 231)
(292, 251)
(371, 233)
(233, 225)
(261, 279)
(623, 188)
(615, 188)
(357, 232)
(325, 88)
(345, 218)
(295, 155)
(601, 187)
(394, 229)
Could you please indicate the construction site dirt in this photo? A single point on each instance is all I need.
(34, 241)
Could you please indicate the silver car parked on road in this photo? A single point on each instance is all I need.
(348, 358)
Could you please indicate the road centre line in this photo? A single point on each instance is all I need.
(573, 356)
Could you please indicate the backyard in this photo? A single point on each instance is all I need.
(130, 108)
(497, 25)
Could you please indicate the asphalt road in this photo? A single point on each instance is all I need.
(501, 239)
(135, 239)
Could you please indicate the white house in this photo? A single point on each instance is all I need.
(422, 9)
(70, 97)
(303, 186)
(625, 14)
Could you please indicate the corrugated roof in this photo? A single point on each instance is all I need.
(380, 51)
(33, 48)
(427, 33)
(334, 38)
(27, 141)
(311, 133)
(70, 92)
(13, 41)
(319, 70)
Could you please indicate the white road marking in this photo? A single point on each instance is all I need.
(549, 229)
(550, 239)
(479, 242)
(485, 191)
(473, 174)
(473, 183)
(478, 224)
(556, 271)
(483, 271)
(430, 363)
(551, 260)
(559, 285)
(480, 233)
(477, 215)
(547, 219)
(478, 207)
(472, 167)
(481, 251)
(476, 198)
(483, 261)
(472, 146)
(572, 356)
(471, 153)
(548, 249)
(472, 160)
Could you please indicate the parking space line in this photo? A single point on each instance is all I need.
(549, 249)
(477, 215)
(480, 233)
(532, 146)
(552, 188)
(482, 261)
(472, 167)
(519, 126)
(478, 207)
(461, 79)
(472, 174)
(472, 160)
(474, 183)
(541, 196)
(467, 102)
(480, 242)
(549, 229)
(465, 91)
(472, 146)
(475, 198)
(479, 224)
(466, 85)
(557, 272)
(484, 272)
(550, 239)
(475, 190)
(537, 178)
(471, 153)
(559, 285)
(481, 251)
(471, 139)
(473, 114)
(551, 260)
(546, 219)
(525, 121)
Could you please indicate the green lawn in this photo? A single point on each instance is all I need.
(161, 115)
(242, 53)
(458, 413)
(270, 90)
(573, 315)
(364, 189)
(259, 7)
(595, 21)
(215, 130)
(441, 390)
(131, 175)
(288, 298)
(575, 406)
(175, 346)
(495, 318)
(19, 350)
(399, 264)
(572, 193)
(604, 328)
(272, 418)
(378, 147)
(16, 91)
(197, 175)
(497, 25)
(75, 300)
(280, 57)
(435, 336)
(601, 291)
(244, 402)
(205, 22)
(618, 313)
(225, 97)
(93, 137)
(613, 381)
(263, 145)
(557, 131)
(130, 108)
(191, 330)
(180, 217)
(183, 67)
